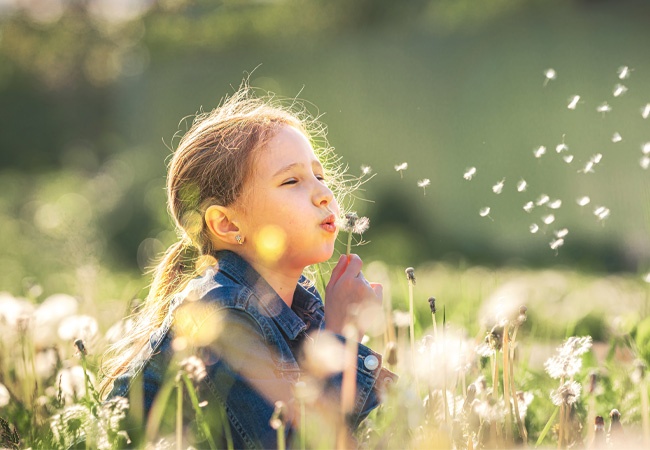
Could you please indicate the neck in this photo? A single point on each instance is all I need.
(283, 284)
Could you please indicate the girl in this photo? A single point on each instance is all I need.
(250, 197)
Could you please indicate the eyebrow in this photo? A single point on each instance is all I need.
(288, 167)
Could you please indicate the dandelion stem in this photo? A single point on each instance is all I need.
(506, 382)
(200, 419)
(547, 427)
(523, 433)
(280, 435)
(349, 244)
(179, 414)
(412, 328)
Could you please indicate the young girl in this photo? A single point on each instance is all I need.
(250, 197)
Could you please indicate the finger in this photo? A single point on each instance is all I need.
(354, 266)
(379, 290)
(338, 269)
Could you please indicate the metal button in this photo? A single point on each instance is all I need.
(371, 362)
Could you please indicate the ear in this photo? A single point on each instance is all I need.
(219, 221)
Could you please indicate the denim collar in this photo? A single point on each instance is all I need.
(235, 267)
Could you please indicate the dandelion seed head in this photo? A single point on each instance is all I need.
(533, 228)
(548, 219)
(645, 111)
(469, 173)
(542, 199)
(617, 137)
(402, 319)
(561, 232)
(194, 368)
(567, 158)
(568, 359)
(619, 90)
(483, 212)
(528, 207)
(539, 151)
(361, 226)
(498, 187)
(5, 398)
(555, 204)
(521, 185)
(556, 243)
(567, 394)
(559, 148)
(410, 274)
(573, 102)
(78, 327)
(623, 72)
(603, 108)
(583, 201)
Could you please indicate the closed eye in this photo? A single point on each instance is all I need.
(289, 182)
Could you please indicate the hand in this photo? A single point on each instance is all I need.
(347, 287)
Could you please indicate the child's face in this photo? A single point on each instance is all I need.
(287, 212)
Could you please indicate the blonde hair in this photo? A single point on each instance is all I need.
(210, 166)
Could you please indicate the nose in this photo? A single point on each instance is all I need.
(323, 195)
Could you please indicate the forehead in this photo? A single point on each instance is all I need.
(288, 146)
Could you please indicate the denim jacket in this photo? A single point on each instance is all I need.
(258, 356)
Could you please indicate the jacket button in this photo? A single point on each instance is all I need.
(371, 362)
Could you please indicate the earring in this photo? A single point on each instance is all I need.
(239, 239)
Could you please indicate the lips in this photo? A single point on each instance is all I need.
(329, 224)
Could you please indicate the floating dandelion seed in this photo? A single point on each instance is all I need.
(644, 162)
(483, 212)
(548, 219)
(623, 72)
(534, 228)
(521, 185)
(567, 158)
(561, 233)
(604, 108)
(596, 158)
(589, 167)
(498, 188)
(645, 111)
(559, 148)
(583, 201)
(549, 74)
(619, 90)
(601, 212)
(366, 170)
(469, 173)
(542, 199)
(556, 243)
(555, 204)
(423, 184)
(539, 151)
(401, 167)
(528, 207)
(617, 138)
(645, 148)
(573, 102)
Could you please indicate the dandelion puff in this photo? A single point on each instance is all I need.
(645, 111)
(483, 212)
(533, 228)
(469, 173)
(5, 397)
(423, 184)
(567, 394)
(619, 90)
(561, 232)
(542, 199)
(573, 102)
(548, 219)
(555, 204)
(401, 167)
(567, 361)
(583, 201)
(498, 187)
(644, 162)
(601, 212)
(539, 151)
(623, 72)
(617, 138)
(603, 108)
(567, 158)
(549, 74)
(556, 243)
(645, 148)
(528, 207)
(521, 185)
(366, 170)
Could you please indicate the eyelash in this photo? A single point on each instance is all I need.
(292, 181)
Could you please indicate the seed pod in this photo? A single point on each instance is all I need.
(81, 348)
(410, 274)
(432, 304)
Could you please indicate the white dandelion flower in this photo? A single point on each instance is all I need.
(617, 138)
(559, 148)
(424, 183)
(567, 362)
(603, 108)
(567, 394)
(645, 111)
(542, 200)
(561, 232)
(619, 90)
(549, 74)
(555, 204)
(483, 212)
(623, 72)
(644, 162)
(645, 148)
(498, 187)
(601, 212)
(583, 201)
(573, 102)
(534, 228)
(539, 151)
(366, 170)
(567, 158)
(528, 207)
(469, 173)
(556, 243)
(548, 219)
(521, 185)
